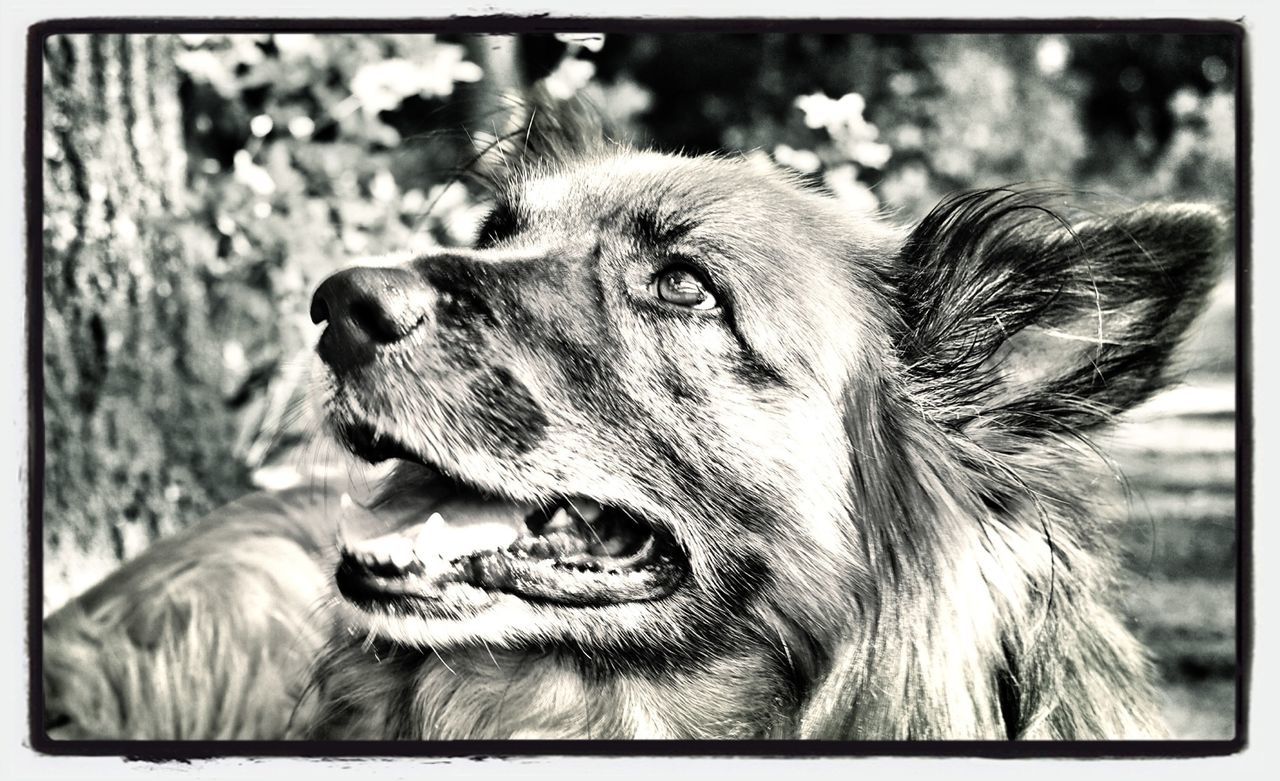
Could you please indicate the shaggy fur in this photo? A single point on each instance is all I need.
(202, 636)
(872, 452)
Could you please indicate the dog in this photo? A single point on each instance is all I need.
(684, 450)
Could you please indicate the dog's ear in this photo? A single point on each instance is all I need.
(1014, 320)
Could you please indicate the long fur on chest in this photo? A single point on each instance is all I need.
(364, 692)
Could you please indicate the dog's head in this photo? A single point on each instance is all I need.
(671, 404)
(627, 395)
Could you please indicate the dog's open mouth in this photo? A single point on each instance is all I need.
(569, 550)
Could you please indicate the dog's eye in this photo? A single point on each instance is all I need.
(682, 286)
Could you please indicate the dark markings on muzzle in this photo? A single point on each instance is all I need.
(683, 390)
(752, 369)
(743, 504)
(591, 382)
(506, 414)
(460, 334)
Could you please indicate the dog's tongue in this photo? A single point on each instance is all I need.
(456, 528)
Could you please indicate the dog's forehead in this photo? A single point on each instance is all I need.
(618, 184)
(752, 227)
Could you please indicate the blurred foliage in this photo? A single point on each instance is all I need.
(296, 161)
(299, 152)
(1095, 111)
(305, 150)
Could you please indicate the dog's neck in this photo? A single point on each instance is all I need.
(360, 693)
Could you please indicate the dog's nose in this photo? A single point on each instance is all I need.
(380, 304)
(365, 308)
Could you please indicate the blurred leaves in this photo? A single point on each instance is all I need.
(854, 137)
(383, 86)
(296, 169)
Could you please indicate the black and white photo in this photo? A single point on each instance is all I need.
(865, 384)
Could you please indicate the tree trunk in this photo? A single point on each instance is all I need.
(137, 437)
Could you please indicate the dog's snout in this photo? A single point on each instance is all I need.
(382, 304)
(367, 307)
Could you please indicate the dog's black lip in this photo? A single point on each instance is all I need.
(659, 576)
(366, 442)
(374, 594)
(499, 571)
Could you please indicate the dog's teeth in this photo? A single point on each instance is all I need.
(560, 521)
(402, 556)
(422, 543)
(614, 545)
(391, 549)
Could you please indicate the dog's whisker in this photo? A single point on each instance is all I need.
(492, 658)
(440, 658)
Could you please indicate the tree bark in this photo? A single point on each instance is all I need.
(137, 437)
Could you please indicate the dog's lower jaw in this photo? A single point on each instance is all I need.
(493, 694)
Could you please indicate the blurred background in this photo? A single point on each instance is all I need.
(198, 187)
